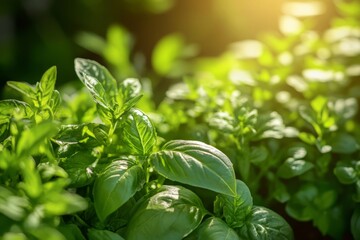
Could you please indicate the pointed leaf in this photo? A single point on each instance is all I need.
(197, 164)
(97, 71)
(264, 224)
(171, 213)
(130, 94)
(117, 184)
(24, 88)
(97, 90)
(139, 134)
(47, 85)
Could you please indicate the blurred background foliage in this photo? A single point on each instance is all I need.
(36, 34)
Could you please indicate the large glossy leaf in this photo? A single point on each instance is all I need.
(47, 85)
(95, 234)
(171, 213)
(197, 164)
(139, 134)
(214, 229)
(264, 224)
(116, 184)
(234, 209)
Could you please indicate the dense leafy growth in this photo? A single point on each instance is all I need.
(269, 124)
(110, 178)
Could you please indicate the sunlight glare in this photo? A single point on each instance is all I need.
(303, 9)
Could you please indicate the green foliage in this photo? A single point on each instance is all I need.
(197, 164)
(111, 178)
(270, 122)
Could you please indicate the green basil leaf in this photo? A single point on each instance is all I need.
(71, 232)
(79, 168)
(262, 223)
(97, 91)
(24, 88)
(118, 182)
(214, 229)
(258, 154)
(171, 213)
(16, 108)
(47, 85)
(57, 201)
(130, 88)
(166, 53)
(344, 143)
(346, 174)
(92, 134)
(355, 224)
(222, 122)
(97, 71)
(301, 206)
(118, 50)
(139, 134)
(32, 138)
(292, 168)
(130, 94)
(95, 234)
(55, 100)
(197, 164)
(46, 232)
(11, 205)
(307, 138)
(234, 209)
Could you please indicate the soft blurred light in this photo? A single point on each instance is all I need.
(320, 75)
(290, 25)
(285, 58)
(303, 9)
(337, 34)
(241, 77)
(247, 49)
(297, 83)
(283, 97)
(349, 47)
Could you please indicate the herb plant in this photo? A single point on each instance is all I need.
(112, 177)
